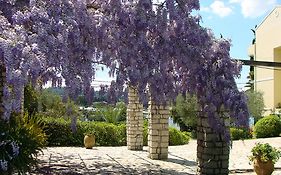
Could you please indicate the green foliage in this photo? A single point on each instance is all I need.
(255, 104)
(109, 113)
(265, 152)
(89, 114)
(60, 134)
(50, 100)
(269, 126)
(184, 112)
(51, 105)
(71, 109)
(122, 107)
(240, 133)
(26, 133)
(99, 104)
(31, 97)
(107, 134)
(177, 137)
(145, 132)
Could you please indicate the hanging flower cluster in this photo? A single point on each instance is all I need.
(161, 48)
(165, 49)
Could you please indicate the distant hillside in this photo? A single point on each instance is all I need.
(81, 100)
(56, 90)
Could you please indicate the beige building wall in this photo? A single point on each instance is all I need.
(277, 77)
(268, 42)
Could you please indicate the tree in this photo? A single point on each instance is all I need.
(51, 102)
(255, 104)
(185, 112)
(31, 97)
(163, 50)
(40, 41)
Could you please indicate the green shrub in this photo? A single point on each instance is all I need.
(269, 126)
(107, 134)
(145, 132)
(193, 134)
(21, 140)
(31, 97)
(265, 152)
(240, 133)
(110, 114)
(59, 133)
(177, 137)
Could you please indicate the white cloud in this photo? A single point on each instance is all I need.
(218, 7)
(205, 9)
(255, 8)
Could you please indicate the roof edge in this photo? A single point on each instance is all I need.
(277, 6)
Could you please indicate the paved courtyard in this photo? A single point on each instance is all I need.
(118, 160)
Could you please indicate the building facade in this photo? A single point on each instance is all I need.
(267, 47)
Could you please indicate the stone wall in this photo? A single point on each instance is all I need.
(134, 121)
(158, 131)
(212, 149)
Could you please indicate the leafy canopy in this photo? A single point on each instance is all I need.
(255, 103)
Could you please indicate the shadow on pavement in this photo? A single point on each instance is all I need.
(181, 161)
(100, 168)
(69, 165)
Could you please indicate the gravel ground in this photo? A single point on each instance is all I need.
(119, 160)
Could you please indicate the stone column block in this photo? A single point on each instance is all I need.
(134, 121)
(158, 134)
(212, 149)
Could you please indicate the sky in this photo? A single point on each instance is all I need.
(233, 19)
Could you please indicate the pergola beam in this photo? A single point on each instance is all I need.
(260, 63)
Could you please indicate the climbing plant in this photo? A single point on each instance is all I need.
(160, 48)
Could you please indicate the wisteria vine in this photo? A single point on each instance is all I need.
(160, 48)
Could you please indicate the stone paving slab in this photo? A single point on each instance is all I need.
(119, 160)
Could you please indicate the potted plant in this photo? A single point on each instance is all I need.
(89, 140)
(264, 156)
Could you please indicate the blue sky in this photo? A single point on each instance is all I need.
(234, 19)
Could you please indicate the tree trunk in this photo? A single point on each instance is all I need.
(134, 121)
(212, 149)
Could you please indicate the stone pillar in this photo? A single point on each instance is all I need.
(212, 149)
(134, 121)
(158, 131)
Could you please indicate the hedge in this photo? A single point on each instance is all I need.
(59, 133)
(178, 138)
(269, 126)
(240, 133)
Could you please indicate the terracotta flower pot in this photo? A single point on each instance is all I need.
(89, 141)
(263, 168)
